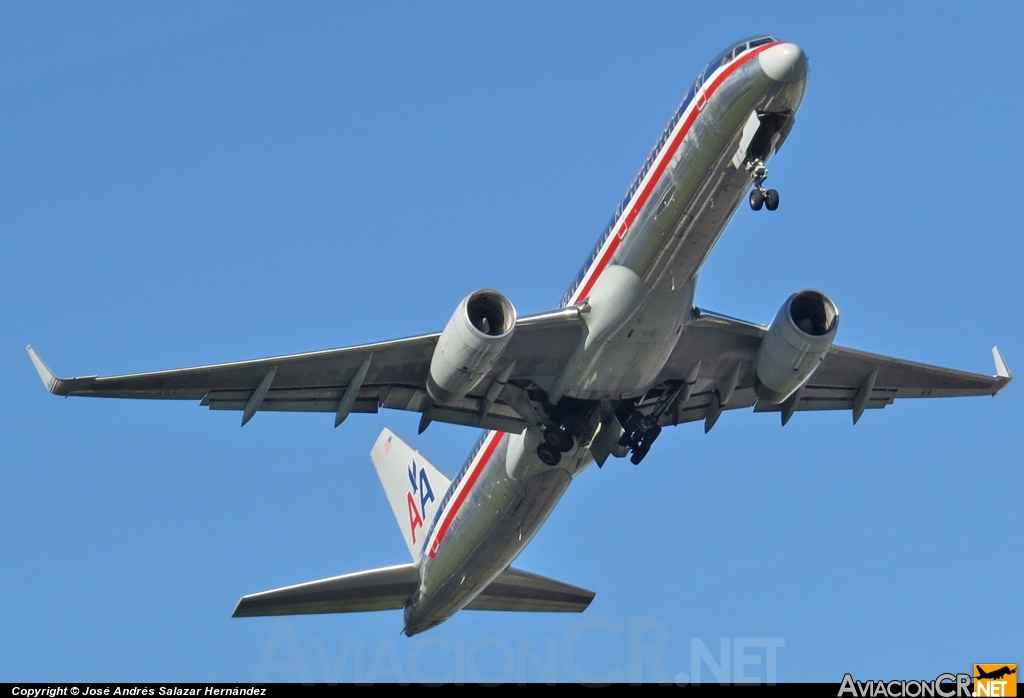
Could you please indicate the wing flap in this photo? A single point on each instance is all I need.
(516, 590)
(383, 589)
(824, 398)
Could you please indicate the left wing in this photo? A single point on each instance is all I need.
(723, 350)
(354, 379)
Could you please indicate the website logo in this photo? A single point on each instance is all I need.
(995, 680)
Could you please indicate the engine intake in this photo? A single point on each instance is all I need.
(470, 344)
(795, 345)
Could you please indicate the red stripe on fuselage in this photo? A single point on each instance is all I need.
(470, 481)
(666, 157)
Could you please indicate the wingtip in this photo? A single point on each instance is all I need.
(1002, 370)
(48, 377)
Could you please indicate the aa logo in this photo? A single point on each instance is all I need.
(420, 484)
(995, 679)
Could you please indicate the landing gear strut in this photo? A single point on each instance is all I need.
(759, 196)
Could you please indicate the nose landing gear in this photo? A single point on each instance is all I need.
(759, 196)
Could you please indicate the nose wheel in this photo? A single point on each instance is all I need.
(759, 196)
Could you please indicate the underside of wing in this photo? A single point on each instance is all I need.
(516, 590)
(719, 354)
(353, 379)
(382, 589)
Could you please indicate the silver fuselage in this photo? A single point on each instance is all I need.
(639, 284)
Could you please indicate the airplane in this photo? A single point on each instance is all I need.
(995, 674)
(625, 353)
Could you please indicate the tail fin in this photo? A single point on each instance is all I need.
(413, 485)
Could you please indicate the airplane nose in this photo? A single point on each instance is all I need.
(784, 63)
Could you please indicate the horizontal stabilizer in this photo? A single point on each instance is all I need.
(515, 590)
(383, 589)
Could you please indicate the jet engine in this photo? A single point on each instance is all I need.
(796, 343)
(470, 344)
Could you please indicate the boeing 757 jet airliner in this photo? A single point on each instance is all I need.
(624, 355)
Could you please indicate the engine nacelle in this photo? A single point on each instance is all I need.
(470, 344)
(797, 341)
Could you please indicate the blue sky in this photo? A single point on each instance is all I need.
(188, 183)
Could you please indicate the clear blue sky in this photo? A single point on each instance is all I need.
(187, 183)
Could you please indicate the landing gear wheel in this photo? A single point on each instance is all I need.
(771, 199)
(638, 454)
(559, 437)
(757, 199)
(548, 454)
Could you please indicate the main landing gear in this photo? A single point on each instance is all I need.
(557, 440)
(639, 436)
(640, 430)
(759, 196)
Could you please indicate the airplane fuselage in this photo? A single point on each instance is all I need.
(636, 292)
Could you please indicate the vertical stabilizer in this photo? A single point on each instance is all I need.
(413, 485)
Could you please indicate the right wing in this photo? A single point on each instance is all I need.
(723, 350)
(387, 374)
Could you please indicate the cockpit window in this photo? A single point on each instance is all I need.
(733, 51)
(729, 54)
